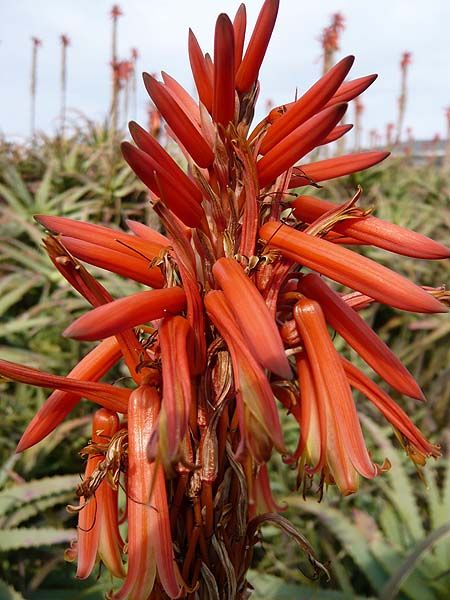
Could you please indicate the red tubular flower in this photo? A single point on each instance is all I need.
(98, 528)
(179, 199)
(331, 168)
(336, 133)
(392, 412)
(331, 382)
(239, 26)
(360, 336)
(248, 70)
(305, 107)
(350, 90)
(251, 312)
(174, 333)
(111, 397)
(59, 404)
(150, 550)
(298, 143)
(349, 268)
(117, 261)
(179, 122)
(122, 314)
(250, 381)
(373, 231)
(203, 81)
(165, 163)
(224, 92)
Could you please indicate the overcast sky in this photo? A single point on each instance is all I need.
(377, 32)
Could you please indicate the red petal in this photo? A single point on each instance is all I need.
(109, 396)
(360, 336)
(239, 26)
(200, 71)
(351, 89)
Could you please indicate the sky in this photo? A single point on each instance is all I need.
(377, 32)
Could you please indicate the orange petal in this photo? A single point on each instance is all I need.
(331, 168)
(239, 26)
(127, 312)
(253, 316)
(224, 94)
(248, 70)
(343, 424)
(308, 105)
(360, 336)
(374, 231)
(298, 143)
(351, 269)
(59, 404)
(179, 122)
(181, 96)
(200, 71)
(109, 396)
(351, 89)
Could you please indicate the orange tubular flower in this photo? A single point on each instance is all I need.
(343, 428)
(373, 231)
(98, 528)
(125, 313)
(251, 312)
(353, 270)
(227, 332)
(150, 549)
(224, 89)
(59, 404)
(360, 336)
(306, 106)
(334, 167)
(248, 70)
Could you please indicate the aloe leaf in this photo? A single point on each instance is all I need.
(348, 535)
(9, 593)
(31, 537)
(17, 293)
(269, 586)
(400, 492)
(43, 192)
(27, 511)
(16, 495)
(390, 590)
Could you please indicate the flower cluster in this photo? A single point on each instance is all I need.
(234, 330)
